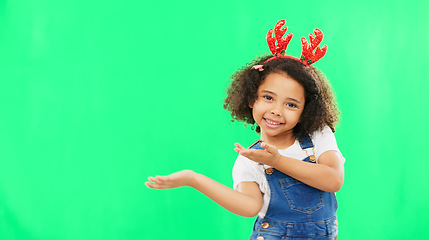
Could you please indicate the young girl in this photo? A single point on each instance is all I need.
(288, 177)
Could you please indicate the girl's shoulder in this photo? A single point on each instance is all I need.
(243, 163)
(324, 140)
(323, 134)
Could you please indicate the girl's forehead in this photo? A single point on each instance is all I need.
(281, 84)
(279, 78)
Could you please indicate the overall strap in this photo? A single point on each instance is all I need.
(305, 142)
(307, 145)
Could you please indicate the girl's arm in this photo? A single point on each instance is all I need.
(246, 201)
(327, 176)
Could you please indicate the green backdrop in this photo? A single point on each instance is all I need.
(96, 96)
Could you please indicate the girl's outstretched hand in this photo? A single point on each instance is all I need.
(270, 156)
(177, 179)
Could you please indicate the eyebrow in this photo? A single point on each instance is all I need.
(289, 98)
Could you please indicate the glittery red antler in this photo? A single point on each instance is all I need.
(307, 56)
(279, 49)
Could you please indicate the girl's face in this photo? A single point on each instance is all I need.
(278, 108)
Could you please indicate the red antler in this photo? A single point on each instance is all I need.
(282, 43)
(307, 56)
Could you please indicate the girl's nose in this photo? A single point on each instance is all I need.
(275, 111)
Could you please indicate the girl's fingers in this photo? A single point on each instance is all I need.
(158, 180)
(154, 185)
(154, 179)
(238, 145)
(246, 153)
(238, 148)
(149, 184)
(268, 147)
(162, 180)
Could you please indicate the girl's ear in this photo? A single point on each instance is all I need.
(251, 105)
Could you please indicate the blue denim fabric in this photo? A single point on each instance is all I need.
(296, 210)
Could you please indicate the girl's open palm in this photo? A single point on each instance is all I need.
(270, 156)
(177, 179)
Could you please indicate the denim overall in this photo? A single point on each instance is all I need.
(296, 210)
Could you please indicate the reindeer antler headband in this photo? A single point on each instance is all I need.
(307, 55)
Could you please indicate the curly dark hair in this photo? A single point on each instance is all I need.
(320, 107)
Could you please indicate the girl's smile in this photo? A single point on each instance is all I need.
(278, 108)
(272, 123)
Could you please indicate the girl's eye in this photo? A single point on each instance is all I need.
(269, 98)
(291, 105)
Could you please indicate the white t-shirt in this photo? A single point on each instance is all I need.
(246, 170)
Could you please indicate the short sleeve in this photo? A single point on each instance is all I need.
(325, 141)
(243, 171)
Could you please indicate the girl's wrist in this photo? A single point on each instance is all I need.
(275, 162)
(193, 179)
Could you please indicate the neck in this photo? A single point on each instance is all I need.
(280, 142)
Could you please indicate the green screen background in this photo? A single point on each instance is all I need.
(96, 96)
